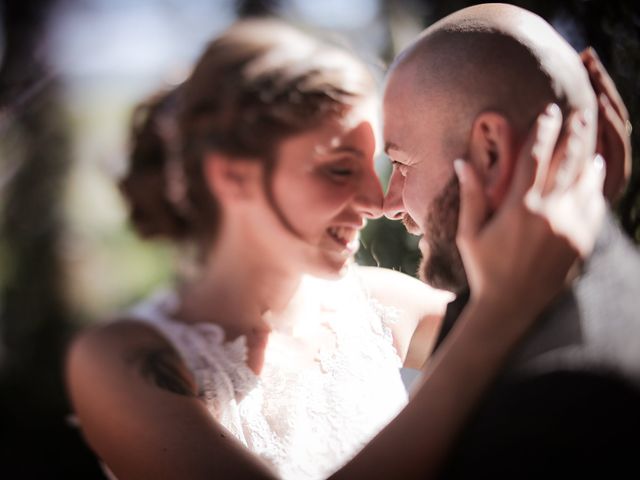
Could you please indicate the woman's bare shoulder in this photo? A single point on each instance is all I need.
(419, 310)
(403, 291)
(139, 410)
(119, 333)
(131, 349)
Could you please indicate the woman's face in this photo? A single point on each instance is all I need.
(325, 186)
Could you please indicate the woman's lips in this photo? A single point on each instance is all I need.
(348, 238)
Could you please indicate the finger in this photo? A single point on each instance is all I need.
(614, 148)
(600, 145)
(603, 83)
(600, 169)
(589, 201)
(570, 157)
(473, 203)
(612, 123)
(600, 80)
(590, 182)
(585, 54)
(533, 160)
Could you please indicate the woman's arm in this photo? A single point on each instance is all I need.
(139, 411)
(415, 443)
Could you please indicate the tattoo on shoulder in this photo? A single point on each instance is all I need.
(162, 367)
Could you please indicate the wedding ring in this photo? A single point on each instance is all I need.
(628, 127)
(598, 162)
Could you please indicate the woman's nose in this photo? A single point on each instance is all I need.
(393, 204)
(370, 197)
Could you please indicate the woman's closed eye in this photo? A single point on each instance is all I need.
(341, 171)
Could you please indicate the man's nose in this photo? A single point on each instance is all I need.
(370, 196)
(393, 204)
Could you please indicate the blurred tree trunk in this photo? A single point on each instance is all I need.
(35, 145)
(35, 441)
(257, 8)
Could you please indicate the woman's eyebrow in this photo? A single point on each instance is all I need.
(328, 151)
(347, 149)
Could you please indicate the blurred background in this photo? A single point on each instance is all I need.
(70, 73)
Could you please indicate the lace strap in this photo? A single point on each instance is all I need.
(189, 340)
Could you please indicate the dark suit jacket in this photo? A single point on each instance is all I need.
(568, 402)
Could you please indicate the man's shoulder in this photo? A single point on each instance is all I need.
(596, 322)
(615, 254)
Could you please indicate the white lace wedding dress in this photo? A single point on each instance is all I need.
(304, 421)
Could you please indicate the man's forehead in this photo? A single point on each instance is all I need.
(398, 108)
(400, 82)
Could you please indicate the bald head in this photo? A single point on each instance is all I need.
(494, 57)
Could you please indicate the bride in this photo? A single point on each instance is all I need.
(278, 356)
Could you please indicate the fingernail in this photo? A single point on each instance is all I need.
(594, 53)
(598, 162)
(553, 110)
(459, 167)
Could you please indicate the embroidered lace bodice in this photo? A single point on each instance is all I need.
(305, 421)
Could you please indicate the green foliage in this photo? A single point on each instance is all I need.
(386, 243)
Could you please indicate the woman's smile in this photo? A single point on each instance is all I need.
(346, 238)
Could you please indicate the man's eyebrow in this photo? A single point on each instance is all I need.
(390, 146)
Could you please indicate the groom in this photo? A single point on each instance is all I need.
(568, 402)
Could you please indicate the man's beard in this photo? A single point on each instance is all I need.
(443, 267)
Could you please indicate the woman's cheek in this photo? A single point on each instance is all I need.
(336, 193)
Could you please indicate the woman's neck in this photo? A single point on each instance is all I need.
(241, 290)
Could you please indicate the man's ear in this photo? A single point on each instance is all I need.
(232, 178)
(492, 152)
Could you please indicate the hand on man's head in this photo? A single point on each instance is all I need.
(553, 205)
